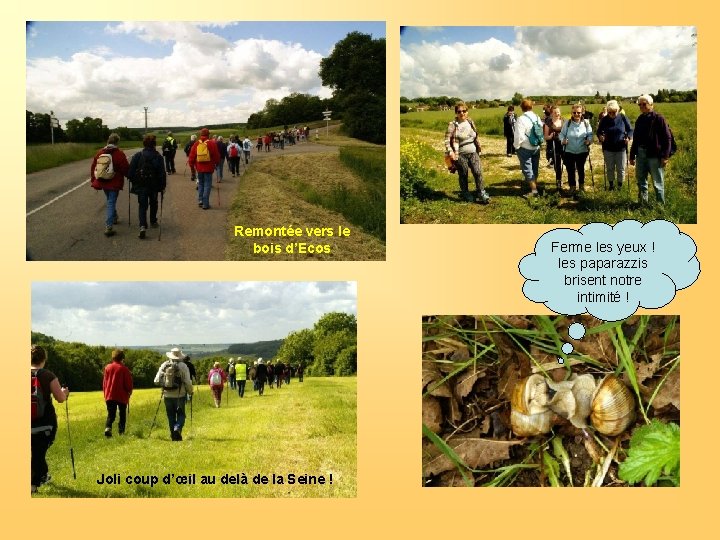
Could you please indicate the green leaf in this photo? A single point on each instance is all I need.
(654, 452)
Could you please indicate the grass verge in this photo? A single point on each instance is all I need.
(307, 428)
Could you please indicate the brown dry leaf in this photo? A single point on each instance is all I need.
(431, 376)
(646, 370)
(466, 381)
(454, 479)
(508, 379)
(669, 392)
(432, 414)
(596, 346)
(485, 425)
(474, 452)
(455, 412)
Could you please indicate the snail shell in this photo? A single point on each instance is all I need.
(612, 406)
(529, 413)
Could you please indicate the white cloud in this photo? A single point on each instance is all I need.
(204, 79)
(554, 61)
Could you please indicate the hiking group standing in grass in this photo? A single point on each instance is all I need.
(568, 140)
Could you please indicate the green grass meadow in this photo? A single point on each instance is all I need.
(307, 428)
(429, 194)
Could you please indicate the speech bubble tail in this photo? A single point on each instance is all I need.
(560, 360)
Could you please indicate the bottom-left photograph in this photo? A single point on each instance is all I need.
(193, 389)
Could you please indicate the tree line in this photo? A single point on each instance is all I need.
(329, 348)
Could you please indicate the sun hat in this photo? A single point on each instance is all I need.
(175, 354)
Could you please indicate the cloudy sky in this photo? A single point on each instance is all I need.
(186, 73)
(496, 62)
(153, 313)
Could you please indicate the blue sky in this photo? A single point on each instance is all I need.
(159, 313)
(186, 73)
(495, 62)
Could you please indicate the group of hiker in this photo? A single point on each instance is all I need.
(148, 171)
(177, 376)
(648, 146)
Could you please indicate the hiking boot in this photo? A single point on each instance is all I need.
(33, 488)
(141, 234)
(483, 198)
(115, 219)
(45, 479)
(108, 432)
(154, 224)
(531, 195)
(109, 231)
(200, 204)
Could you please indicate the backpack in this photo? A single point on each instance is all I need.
(37, 397)
(233, 150)
(215, 379)
(104, 169)
(146, 174)
(171, 379)
(231, 370)
(247, 145)
(535, 135)
(202, 152)
(167, 146)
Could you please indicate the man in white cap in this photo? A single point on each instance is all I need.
(231, 373)
(174, 377)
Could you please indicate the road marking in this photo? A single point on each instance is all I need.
(57, 198)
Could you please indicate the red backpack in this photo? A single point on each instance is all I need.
(234, 150)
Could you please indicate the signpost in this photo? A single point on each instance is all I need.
(326, 116)
(53, 124)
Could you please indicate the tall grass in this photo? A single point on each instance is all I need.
(45, 156)
(304, 428)
(429, 192)
(364, 208)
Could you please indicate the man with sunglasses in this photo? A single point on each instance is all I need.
(650, 150)
(463, 148)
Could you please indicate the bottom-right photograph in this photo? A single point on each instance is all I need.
(540, 401)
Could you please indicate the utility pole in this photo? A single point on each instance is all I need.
(53, 124)
(145, 119)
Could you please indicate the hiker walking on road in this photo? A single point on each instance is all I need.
(43, 424)
(222, 149)
(169, 148)
(174, 377)
(117, 388)
(216, 380)
(148, 178)
(233, 156)
(204, 156)
(107, 172)
(188, 146)
(247, 148)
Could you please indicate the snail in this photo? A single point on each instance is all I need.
(612, 406)
(609, 405)
(529, 413)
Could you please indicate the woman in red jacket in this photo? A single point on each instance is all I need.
(204, 156)
(216, 380)
(110, 180)
(117, 388)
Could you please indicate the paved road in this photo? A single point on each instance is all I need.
(65, 217)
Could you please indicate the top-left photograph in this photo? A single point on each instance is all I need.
(205, 141)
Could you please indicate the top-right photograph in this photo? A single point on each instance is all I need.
(548, 124)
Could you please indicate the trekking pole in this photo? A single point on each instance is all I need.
(191, 413)
(162, 394)
(592, 175)
(217, 185)
(162, 198)
(604, 175)
(129, 208)
(72, 454)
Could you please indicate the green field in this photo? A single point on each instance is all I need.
(306, 429)
(429, 194)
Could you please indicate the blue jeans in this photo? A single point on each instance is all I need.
(219, 168)
(112, 197)
(175, 409)
(529, 163)
(615, 166)
(204, 188)
(645, 165)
